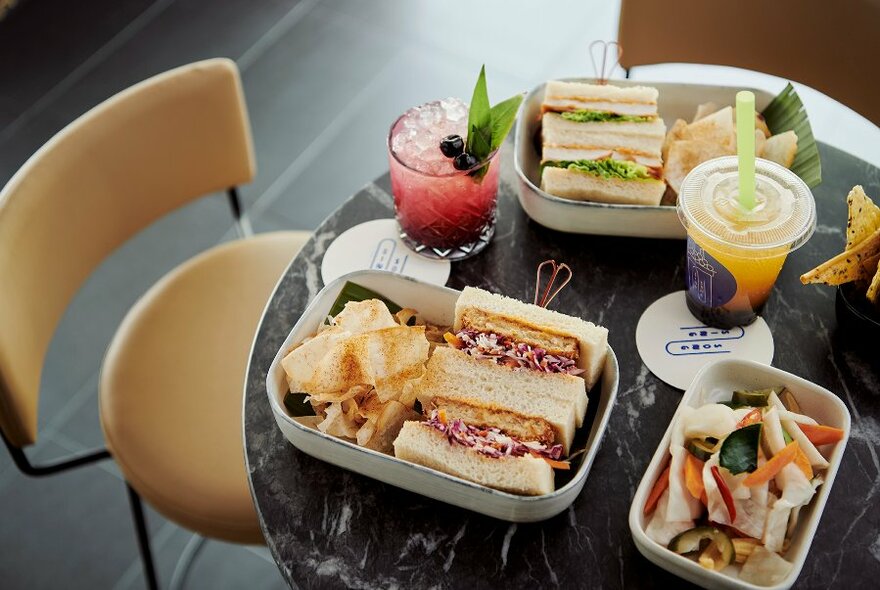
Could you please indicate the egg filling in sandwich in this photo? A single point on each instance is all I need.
(602, 143)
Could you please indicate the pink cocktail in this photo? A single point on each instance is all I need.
(442, 212)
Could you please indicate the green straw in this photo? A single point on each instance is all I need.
(745, 147)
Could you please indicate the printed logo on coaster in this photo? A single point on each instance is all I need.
(376, 245)
(708, 281)
(675, 346)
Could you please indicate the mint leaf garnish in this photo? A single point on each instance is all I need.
(487, 127)
(503, 115)
(479, 139)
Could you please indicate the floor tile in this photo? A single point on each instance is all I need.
(322, 68)
(64, 531)
(54, 27)
(184, 31)
(217, 565)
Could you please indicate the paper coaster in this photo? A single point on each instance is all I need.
(674, 345)
(376, 245)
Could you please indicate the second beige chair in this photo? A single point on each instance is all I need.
(832, 47)
(172, 382)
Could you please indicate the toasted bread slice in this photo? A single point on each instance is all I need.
(421, 444)
(558, 398)
(583, 186)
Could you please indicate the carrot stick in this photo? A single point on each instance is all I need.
(563, 465)
(768, 470)
(821, 435)
(693, 476)
(752, 417)
(659, 487)
(725, 493)
(803, 463)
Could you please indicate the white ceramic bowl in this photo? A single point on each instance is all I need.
(727, 375)
(437, 305)
(677, 101)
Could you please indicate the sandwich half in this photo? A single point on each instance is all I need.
(602, 143)
(522, 335)
(553, 398)
(482, 444)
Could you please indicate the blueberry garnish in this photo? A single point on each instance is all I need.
(464, 161)
(452, 145)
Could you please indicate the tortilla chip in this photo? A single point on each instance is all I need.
(704, 110)
(760, 141)
(781, 148)
(846, 266)
(864, 217)
(870, 264)
(761, 124)
(715, 128)
(675, 133)
(685, 155)
(358, 317)
(874, 289)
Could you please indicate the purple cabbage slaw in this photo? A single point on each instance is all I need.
(504, 351)
(490, 441)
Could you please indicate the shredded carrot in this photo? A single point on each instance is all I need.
(452, 339)
(821, 435)
(659, 487)
(441, 415)
(803, 463)
(752, 417)
(693, 476)
(563, 465)
(768, 470)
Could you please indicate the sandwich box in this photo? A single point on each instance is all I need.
(437, 305)
(676, 101)
(713, 383)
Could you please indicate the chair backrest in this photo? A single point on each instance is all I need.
(135, 157)
(830, 46)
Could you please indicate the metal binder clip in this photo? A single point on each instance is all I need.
(601, 73)
(547, 296)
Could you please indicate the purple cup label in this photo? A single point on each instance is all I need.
(708, 281)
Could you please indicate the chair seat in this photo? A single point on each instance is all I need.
(173, 380)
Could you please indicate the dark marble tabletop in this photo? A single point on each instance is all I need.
(329, 528)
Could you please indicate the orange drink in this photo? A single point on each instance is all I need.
(734, 255)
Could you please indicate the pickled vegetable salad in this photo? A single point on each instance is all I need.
(738, 476)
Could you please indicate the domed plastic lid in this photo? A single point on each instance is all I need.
(785, 213)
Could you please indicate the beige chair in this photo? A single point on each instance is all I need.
(830, 46)
(172, 382)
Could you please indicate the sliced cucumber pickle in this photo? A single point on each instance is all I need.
(702, 449)
(757, 398)
(698, 538)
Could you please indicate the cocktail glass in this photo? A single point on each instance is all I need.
(442, 212)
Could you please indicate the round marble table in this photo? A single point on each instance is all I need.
(329, 528)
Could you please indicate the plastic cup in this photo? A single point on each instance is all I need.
(734, 255)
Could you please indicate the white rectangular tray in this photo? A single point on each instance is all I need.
(437, 305)
(711, 383)
(677, 101)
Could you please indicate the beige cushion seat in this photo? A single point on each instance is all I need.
(173, 380)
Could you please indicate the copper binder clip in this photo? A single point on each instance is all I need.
(601, 73)
(547, 296)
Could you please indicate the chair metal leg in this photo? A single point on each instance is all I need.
(24, 464)
(140, 525)
(242, 223)
(190, 552)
